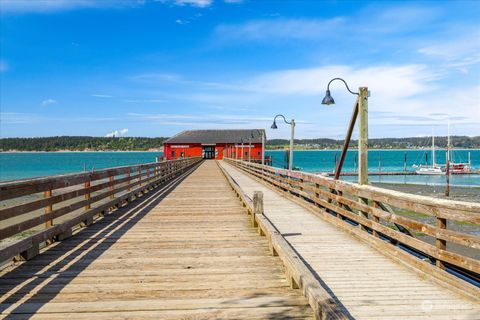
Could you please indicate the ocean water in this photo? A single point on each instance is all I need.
(36, 164)
(389, 160)
(28, 165)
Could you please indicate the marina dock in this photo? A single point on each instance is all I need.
(230, 239)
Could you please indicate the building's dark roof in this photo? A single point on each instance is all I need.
(218, 136)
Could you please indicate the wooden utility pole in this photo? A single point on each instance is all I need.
(363, 143)
(363, 136)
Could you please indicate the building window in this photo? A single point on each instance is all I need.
(258, 153)
(173, 153)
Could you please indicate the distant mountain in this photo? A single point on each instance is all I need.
(142, 143)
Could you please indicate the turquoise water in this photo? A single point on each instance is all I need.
(27, 165)
(390, 161)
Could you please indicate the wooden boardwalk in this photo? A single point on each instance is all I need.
(182, 252)
(367, 283)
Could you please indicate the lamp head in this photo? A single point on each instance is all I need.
(328, 99)
(274, 125)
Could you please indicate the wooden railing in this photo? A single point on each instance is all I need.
(299, 276)
(389, 215)
(42, 210)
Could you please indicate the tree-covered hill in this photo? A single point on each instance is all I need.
(81, 143)
(74, 143)
(383, 143)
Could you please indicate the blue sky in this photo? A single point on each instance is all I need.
(154, 68)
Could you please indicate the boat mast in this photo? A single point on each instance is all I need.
(433, 149)
(448, 141)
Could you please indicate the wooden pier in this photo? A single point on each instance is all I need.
(192, 239)
(388, 173)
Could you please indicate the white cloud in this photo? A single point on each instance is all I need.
(402, 95)
(460, 53)
(48, 102)
(144, 100)
(50, 6)
(117, 133)
(208, 121)
(3, 66)
(47, 6)
(102, 96)
(280, 29)
(394, 82)
(195, 3)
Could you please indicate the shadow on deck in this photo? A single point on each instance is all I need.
(33, 281)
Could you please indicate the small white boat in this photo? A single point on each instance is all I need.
(433, 169)
(438, 170)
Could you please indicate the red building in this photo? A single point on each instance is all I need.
(215, 144)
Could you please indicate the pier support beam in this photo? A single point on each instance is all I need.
(29, 253)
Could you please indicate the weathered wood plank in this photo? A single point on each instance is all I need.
(159, 259)
(348, 263)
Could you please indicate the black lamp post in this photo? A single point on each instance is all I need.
(292, 133)
(328, 99)
(361, 110)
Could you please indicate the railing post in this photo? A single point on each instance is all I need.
(257, 206)
(375, 218)
(317, 194)
(48, 209)
(140, 175)
(128, 180)
(111, 188)
(48, 213)
(86, 185)
(440, 243)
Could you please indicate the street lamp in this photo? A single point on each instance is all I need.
(292, 131)
(361, 110)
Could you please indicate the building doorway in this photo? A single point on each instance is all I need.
(208, 152)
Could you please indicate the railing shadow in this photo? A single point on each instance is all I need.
(28, 277)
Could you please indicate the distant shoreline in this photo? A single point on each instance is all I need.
(269, 150)
(78, 151)
(355, 149)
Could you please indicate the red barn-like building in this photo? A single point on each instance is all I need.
(215, 144)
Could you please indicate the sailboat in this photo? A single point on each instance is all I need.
(457, 167)
(433, 169)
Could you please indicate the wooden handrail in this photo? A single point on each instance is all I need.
(341, 199)
(324, 305)
(24, 210)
